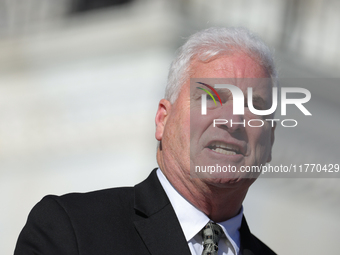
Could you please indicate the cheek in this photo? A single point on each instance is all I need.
(259, 141)
(180, 126)
(199, 124)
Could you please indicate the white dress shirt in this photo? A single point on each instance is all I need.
(193, 220)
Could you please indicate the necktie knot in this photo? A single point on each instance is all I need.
(211, 234)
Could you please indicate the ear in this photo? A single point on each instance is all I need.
(164, 108)
(272, 138)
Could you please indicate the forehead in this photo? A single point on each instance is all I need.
(238, 65)
(239, 68)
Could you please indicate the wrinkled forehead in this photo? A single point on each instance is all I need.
(261, 88)
(240, 69)
(235, 65)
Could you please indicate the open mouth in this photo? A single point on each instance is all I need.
(224, 148)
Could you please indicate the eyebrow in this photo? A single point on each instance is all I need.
(224, 92)
(258, 101)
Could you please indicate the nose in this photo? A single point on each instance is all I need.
(232, 123)
(236, 123)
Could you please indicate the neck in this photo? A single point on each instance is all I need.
(219, 202)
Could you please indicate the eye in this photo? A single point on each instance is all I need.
(257, 102)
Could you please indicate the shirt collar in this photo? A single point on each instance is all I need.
(193, 220)
(190, 218)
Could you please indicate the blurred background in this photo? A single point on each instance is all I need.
(80, 81)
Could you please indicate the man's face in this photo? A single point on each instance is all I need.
(187, 144)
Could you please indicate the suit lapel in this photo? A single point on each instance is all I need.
(157, 223)
(248, 244)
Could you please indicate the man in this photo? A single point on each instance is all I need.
(177, 210)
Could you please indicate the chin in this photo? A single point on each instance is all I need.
(226, 179)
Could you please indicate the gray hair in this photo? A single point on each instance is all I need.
(214, 42)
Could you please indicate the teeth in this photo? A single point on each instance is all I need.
(222, 151)
(224, 148)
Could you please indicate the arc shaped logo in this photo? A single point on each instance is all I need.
(208, 92)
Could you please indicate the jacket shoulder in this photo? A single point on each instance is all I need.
(65, 224)
(97, 200)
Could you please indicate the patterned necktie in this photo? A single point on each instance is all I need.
(211, 234)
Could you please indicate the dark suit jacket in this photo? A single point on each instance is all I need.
(134, 220)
